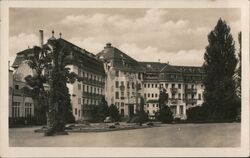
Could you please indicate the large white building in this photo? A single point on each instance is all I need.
(128, 80)
(122, 80)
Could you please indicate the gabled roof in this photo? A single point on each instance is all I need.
(170, 69)
(152, 66)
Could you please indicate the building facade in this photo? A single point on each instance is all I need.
(122, 80)
(128, 80)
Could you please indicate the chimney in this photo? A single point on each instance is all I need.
(41, 38)
(108, 45)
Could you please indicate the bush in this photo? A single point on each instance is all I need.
(114, 112)
(198, 113)
(165, 115)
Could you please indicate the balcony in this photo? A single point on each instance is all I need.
(173, 90)
(191, 90)
(191, 101)
(173, 101)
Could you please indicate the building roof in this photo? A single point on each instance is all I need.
(190, 69)
(152, 66)
(119, 59)
(77, 56)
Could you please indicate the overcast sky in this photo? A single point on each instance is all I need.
(175, 35)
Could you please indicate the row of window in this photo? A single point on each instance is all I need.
(155, 85)
(155, 95)
(117, 96)
(132, 84)
(16, 109)
(88, 101)
(90, 76)
(90, 89)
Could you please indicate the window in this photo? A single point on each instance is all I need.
(91, 88)
(173, 95)
(83, 74)
(91, 76)
(116, 95)
(202, 86)
(173, 85)
(122, 104)
(79, 113)
(127, 84)
(122, 83)
(152, 85)
(116, 84)
(145, 95)
(153, 105)
(87, 88)
(128, 94)
(147, 111)
(79, 100)
(122, 112)
(192, 96)
(27, 109)
(16, 109)
(133, 85)
(155, 85)
(79, 86)
(156, 95)
(154, 111)
(147, 105)
(148, 85)
(148, 95)
(156, 105)
(179, 86)
(117, 73)
(75, 111)
(192, 86)
(94, 89)
(179, 96)
(145, 85)
(83, 101)
(83, 87)
(199, 96)
(152, 95)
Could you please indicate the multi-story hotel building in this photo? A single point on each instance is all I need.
(128, 80)
(122, 80)
(89, 86)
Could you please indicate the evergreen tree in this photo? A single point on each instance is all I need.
(164, 114)
(219, 66)
(114, 112)
(102, 110)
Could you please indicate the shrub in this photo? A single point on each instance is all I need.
(165, 115)
(114, 112)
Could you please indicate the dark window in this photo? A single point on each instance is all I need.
(116, 73)
(148, 95)
(199, 96)
(179, 96)
(145, 95)
(179, 86)
(117, 95)
(148, 85)
(152, 95)
(152, 85)
(79, 86)
(156, 95)
(75, 111)
(173, 85)
(145, 85)
(155, 85)
(116, 84)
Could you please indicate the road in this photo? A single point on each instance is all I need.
(174, 135)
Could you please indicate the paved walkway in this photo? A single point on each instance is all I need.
(175, 135)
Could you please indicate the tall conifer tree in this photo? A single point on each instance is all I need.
(219, 66)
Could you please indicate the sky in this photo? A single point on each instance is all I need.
(176, 35)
